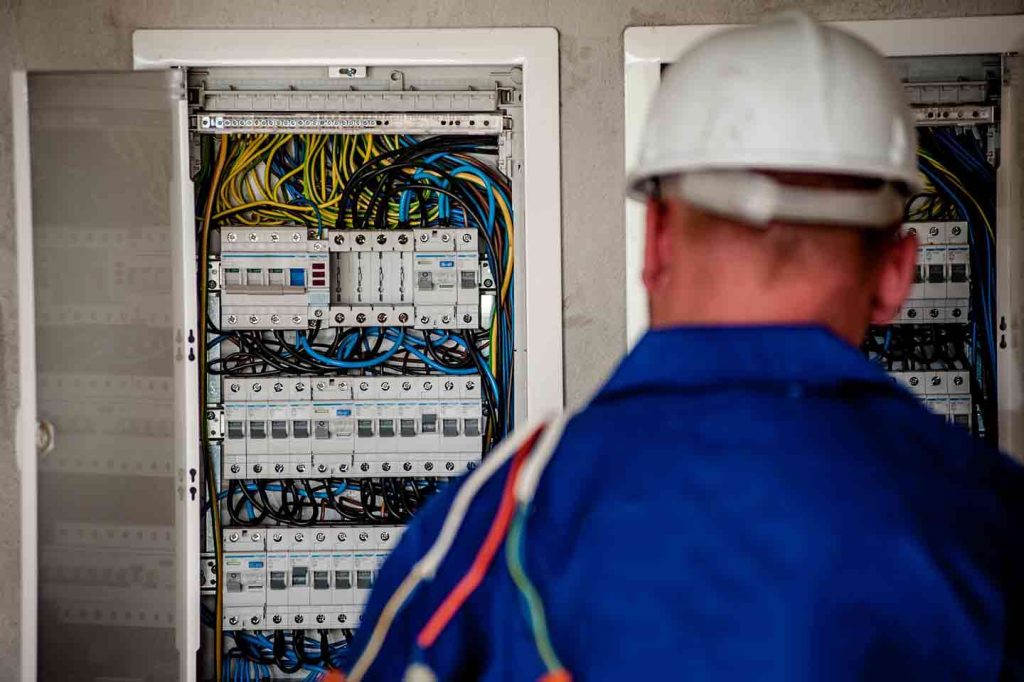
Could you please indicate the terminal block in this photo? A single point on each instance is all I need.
(301, 578)
(300, 427)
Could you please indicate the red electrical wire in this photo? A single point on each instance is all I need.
(485, 556)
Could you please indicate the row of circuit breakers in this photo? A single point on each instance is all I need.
(285, 278)
(302, 427)
(941, 287)
(301, 578)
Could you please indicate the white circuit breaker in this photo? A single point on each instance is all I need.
(318, 577)
(941, 288)
(947, 393)
(294, 427)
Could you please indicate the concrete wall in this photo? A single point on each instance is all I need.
(57, 34)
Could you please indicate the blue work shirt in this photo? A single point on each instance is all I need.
(739, 503)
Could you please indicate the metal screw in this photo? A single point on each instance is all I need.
(233, 620)
(300, 468)
(318, 246)
(956, 230)
(296, 237)
(320, 537)
(232, 319)
(254, 319)
(338, 239)
(339, 318)
(232, 237)
(446, 319)
(233, 537)
(382, 318)
(363, 386)
(427, 385)
(342, 618)
(364, 467)
(253, 237)
(256, 537)
(296, 319)
(235, 468)
(956, 312)
(470, 466)
(467, 318)
(450, 466)
(934, 312)
(300, 387)
(446, 238)
(318, 313)
(429, 466)
(320, 618)
(958, 381)
(255, 620)
(275, 318)
(470, 385)
(256, 388)
(299, 618)
(277, 619)
(257, 468)
(382, 239)
(933, 231)
(488, 283)
(279, 468)
(403, 239)
(235, 388)
(299, 537)
(911, 313)
(278, 537)
(424, 319)
(364, 536)
(449, 385)
(911, 230)
(403, 318)
(385, 536)
(407, 466)
(360, 318)
(406, 385)
(321, 468)
(211, 284)
(342, 467)
(342, 537)
(360, 239)
(424, 237)
(274, 237)
(278, 387)
(913, 381)
(936, 381)
(385, 386)
(385, 466)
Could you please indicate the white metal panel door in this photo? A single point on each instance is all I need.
(101, 228)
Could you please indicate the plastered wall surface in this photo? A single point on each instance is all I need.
(66, 34)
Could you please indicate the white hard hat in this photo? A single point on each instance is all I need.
(788, 95)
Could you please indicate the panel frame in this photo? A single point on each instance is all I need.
(648, 48)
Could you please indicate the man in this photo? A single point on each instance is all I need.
(747, 497)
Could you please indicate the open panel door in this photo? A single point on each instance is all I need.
(103, 363)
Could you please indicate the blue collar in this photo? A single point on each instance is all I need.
(694, 357)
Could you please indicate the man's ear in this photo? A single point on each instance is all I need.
(895, 275)
(655, 246)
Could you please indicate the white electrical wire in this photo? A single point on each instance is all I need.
(533, 468)
(426, 567)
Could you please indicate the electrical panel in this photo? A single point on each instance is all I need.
(359, 318)
(942, 346)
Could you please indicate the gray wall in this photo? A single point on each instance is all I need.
(59, 34)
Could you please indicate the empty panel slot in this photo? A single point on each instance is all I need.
(387, 428)
(364, 428)
(236, 430)
(257, 430)
(364, 580)
(278, 429)
(449, 427)
(936, 274)
(471, 427)
(300, 429)
(342, 580)
(958, 272)
(278, 580)
(300, 576)
(407, 427)
(428, 423)
(321, 580)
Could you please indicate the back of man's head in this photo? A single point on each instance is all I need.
(775, 164)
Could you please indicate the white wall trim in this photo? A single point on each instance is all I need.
(534, 49)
